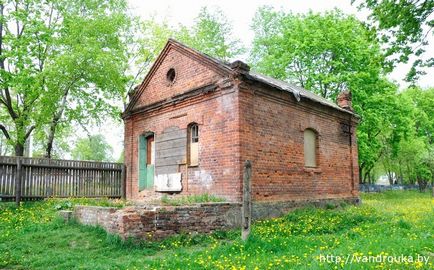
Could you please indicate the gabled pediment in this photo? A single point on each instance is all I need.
(176, 70)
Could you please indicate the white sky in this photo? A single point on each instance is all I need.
(240, 14)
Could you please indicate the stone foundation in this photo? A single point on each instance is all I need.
(158, 222)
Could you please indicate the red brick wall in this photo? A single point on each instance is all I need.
(189, 74)
(162, 221)
(215, 113)
(256, 123)
(272, 126)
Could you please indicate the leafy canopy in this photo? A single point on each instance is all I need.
(94, 148)
(322, 53)
(405, 27)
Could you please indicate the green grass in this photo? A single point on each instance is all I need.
(190, 199)
(390, 224)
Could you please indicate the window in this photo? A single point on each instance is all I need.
(170, 76)
(310, 148)
(150, 152)
(193, 145)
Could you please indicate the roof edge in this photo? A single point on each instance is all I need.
(299, 95)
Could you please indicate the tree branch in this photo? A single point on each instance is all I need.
(29, 132)
(5, 131)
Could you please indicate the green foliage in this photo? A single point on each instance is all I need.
(410, 157)
(391, 222)
(212, 34)
(404, 27)
(94, 148)
(322, 53)
(190, 199)
(60, 61)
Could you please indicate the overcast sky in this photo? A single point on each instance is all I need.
(240, 14)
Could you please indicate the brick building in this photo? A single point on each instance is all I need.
(194, 120)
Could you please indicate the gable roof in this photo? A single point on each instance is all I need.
(297, 91)
(217, 65)
(226, 68)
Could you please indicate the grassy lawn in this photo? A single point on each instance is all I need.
(387, 224)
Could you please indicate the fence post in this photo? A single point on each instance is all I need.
(247, 202)
(18, 181)
(123, 182)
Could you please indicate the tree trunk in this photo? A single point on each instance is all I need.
(19, 149)
(50, 140)
(366, 177)
(422, 184)
(361, 175)
(390, 178)
(53, 125)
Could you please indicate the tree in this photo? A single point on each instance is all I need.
(411, 156)
(385, 120)
(60, 61)
(404, 27)
(327, 54)
(94, 148)
(212, 34)
(417, 152)
(321, 53)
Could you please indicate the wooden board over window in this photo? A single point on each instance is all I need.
(310, 148)
(194, 154)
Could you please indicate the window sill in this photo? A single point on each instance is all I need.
(312, 169)
(193, 166)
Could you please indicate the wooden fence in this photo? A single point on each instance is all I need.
(24, 178)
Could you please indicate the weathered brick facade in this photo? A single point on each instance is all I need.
(240, 116)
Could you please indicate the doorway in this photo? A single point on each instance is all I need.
(146, 161)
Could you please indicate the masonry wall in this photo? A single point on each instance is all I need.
(272, 134)
(215, 114)
(190, 73)
(218, 169)
(153, 223)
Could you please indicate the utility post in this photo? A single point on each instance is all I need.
(247, 201)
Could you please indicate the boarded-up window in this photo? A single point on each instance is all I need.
(193, 145)
(310, 145)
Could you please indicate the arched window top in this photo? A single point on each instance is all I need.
(310, 148)
(193, 129)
